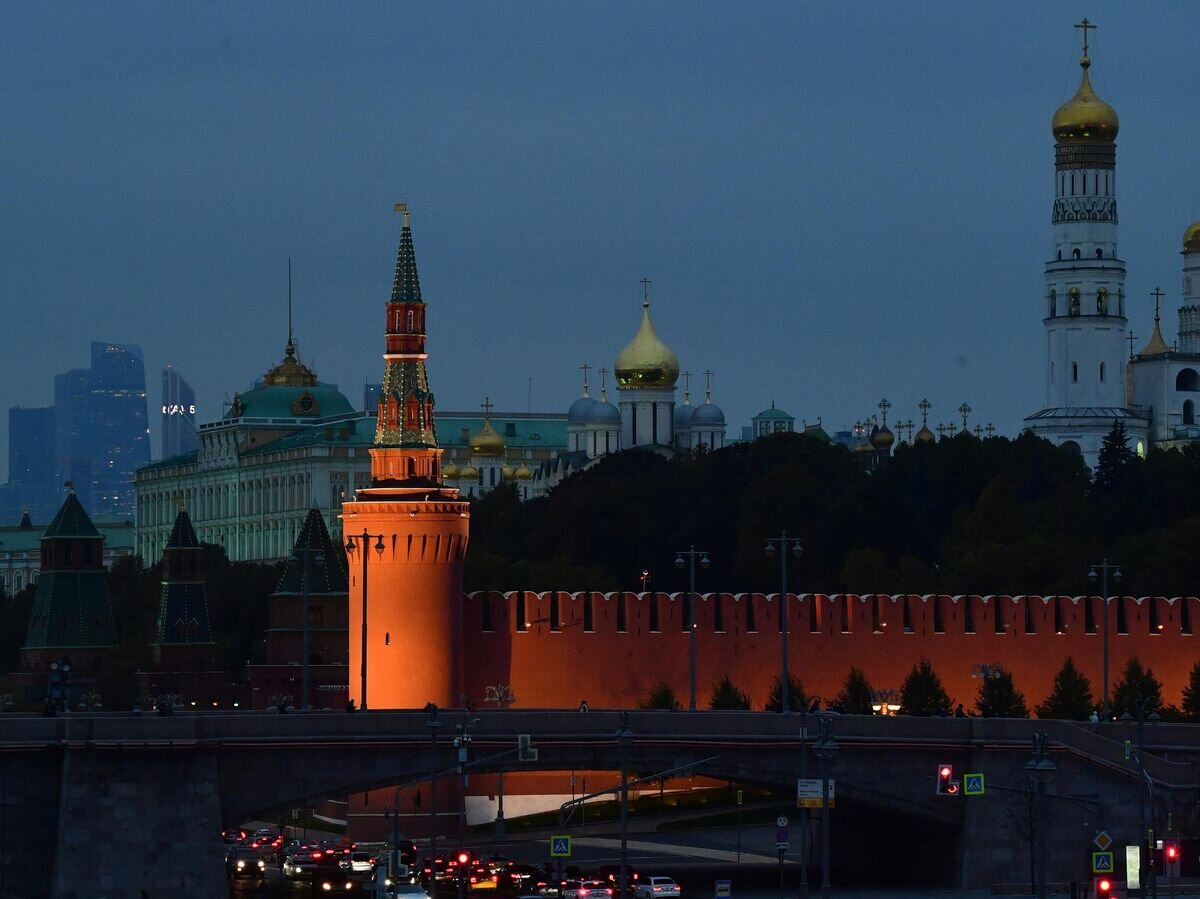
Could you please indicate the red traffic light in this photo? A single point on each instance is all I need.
(463, 858)
(945, 771)
(1172, 852)
(1103, 888)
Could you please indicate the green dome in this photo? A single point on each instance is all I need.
(281, 401)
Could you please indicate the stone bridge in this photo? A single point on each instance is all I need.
(112, 796)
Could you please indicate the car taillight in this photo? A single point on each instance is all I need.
(609, 891)
(318, 855)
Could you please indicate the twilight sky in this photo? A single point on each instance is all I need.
(835, 202)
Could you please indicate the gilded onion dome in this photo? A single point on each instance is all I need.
(1191, 238)
(291, 372)
(883, 438)
(925, 435)
(487, 442)
(523, 473)
(506, 472)
(468, 473)
(1085, 117)
(449, 471)
(646, 362)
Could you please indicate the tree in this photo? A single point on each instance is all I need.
(998, 697)
(1071, 698)
(1190, 707)
(796, 698)
(1115, 460)
(1137, 684)
(661, 696)
(727, 697)
(855, 698)
(922, 692)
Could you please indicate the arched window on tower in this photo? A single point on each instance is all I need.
(1189, 412)
(1076, 254)
(1187, 380)
(1099, 253)
(1060, 255)
(1102, 300)
(1073, 304)
(1101, 372)
(1074, 372)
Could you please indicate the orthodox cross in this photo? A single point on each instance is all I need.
(1131, 339)
(603, 385)
(924, 406)
(978, 430)
(708, 385)
(687, 386)
(964, 410)
(941, 429)
(1158, 295)
(585, 368)
(883, 407)
(990, 430)
(1086, 26)
(907, 428)
(486, 406)
(645, 291)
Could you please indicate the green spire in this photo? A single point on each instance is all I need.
(406, 286)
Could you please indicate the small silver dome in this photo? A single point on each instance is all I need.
(683, 416)
(605, 413)
(581, 411)
(708, 414)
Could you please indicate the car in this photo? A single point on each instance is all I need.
(301, 862)
(594, 889)
(358, 862)
(408, 890)
(232, 835)
(546, 887)
(569, 889)
(243, 861)
(517, 877)
(328, 883)
(656, 888)
(497, 863)
(480, 878)
(612, 873)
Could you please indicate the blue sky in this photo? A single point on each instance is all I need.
(835, 202)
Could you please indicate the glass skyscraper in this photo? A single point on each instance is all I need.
(178, 414)
(119, 436)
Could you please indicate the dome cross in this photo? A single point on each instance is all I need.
(1131, 338)
(883, 407)
(603, 385)
(585, 368)
(646, 282)
(1158, 295)
(487, 407)
(708, 385)
(964, 410)
(924, 406)
(1086, 26)
(687, 387)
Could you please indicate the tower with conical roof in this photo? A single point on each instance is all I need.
(72, 615)
(406, 535)
(183, 640)
(646, 371)
(1083, 310)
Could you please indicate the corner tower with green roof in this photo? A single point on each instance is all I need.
(72, 615)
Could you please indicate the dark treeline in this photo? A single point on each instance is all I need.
(962, 515)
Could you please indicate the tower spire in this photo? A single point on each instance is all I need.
(291, 346)
(406, 286)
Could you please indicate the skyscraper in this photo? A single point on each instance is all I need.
(32, 483)
(72, 423)
(119, 437)
(178, 414)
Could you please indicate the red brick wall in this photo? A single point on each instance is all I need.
(557, 663)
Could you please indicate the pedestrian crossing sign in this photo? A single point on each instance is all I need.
(1102, 862)
(973, 784)
(560, 846)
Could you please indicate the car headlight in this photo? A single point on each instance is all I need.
(241, 864)
(261, 863)
(327, 886)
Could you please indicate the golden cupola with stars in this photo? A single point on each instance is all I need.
(1085, 117)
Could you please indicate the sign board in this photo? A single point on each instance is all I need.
(1133, 867)
(724, 889)
(560, 846)
(808, 793)
(781, 821)
(1102, 862)
(1102, 840)
(973, 784)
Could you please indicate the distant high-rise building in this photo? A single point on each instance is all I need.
(119, 437)
(72, 424)
(32, 484)
(178, 415)
(371, 398)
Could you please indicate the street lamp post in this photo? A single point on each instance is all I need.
(1041, 770)
(1102, 571)
(784, 542)
(502, 695)
(319, 561)
(825, 748)
(1141, 708)
(691, 554)
(433, 725)
(462, 745)
(365, 536)
(623, 736)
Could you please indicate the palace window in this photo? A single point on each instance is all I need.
(1076, 254)
(1101, 372)
(1053, 302)
(1074, 372)
(1074, 294)
(1102, 300)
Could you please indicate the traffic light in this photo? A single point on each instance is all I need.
(1171, 859)
(944, 778)
(1103, 888)
(463, 858)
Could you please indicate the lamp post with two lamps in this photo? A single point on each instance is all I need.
(782, 544)
(1041, 771)
(691, 554)
(311, 557)
(825, 748)
(1101, 571)
(351, 547)
(1146, 710)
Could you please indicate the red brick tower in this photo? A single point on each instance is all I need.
(406, 535)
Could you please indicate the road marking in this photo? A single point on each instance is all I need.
(717, 855)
